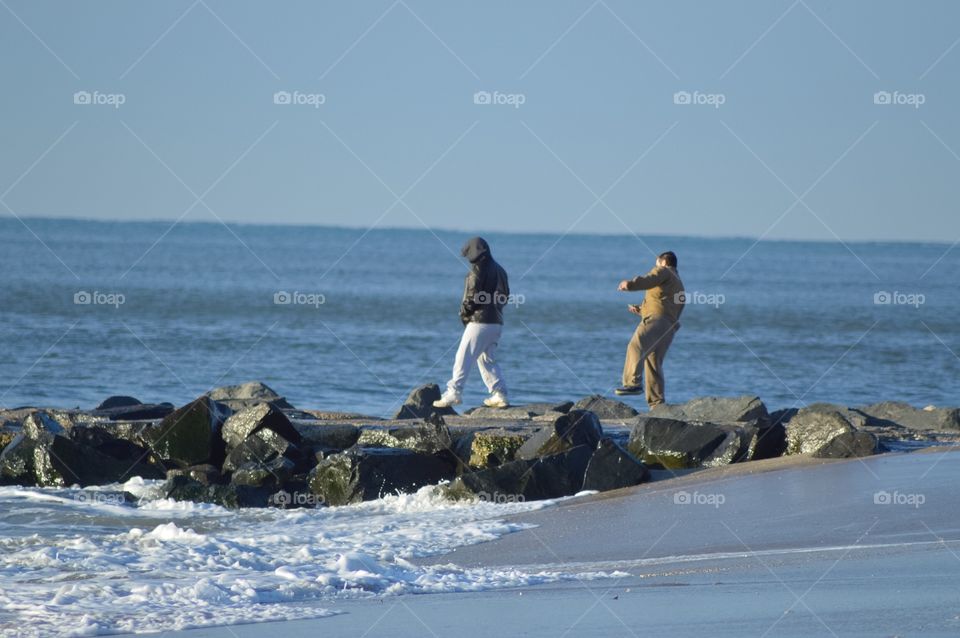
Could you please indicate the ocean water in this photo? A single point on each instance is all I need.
(178, 309)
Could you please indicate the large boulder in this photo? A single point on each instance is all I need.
(39, 423)
(606, 409)
(329, 436)
(520, 412)
(745, 409)
(245, 395)
(892, 413)
(612, 467)
(812, 430)
(263, 446)
(85, 465)
(190, 435)
(127, 408)
(577, 428)
(184, 488)
(426, 438)
(419, 403)
(271, 474)
(27, 461)
(546, 477)
(242, 424)
(118, 401)
(488, 448)
(675, 444)
(364, 474)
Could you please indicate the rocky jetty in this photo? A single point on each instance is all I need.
(247, 446)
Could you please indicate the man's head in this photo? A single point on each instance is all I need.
(667, 259)
(475, 249)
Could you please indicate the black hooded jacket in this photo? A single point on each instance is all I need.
(485, 289)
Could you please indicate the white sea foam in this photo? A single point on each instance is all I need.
(80, 562)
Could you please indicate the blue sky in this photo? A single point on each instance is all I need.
(787, 140)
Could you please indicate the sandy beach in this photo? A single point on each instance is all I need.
(799, 546)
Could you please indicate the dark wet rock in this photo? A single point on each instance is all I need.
(849, 445)
(675, 444)
(118, 401)
(271, 474)
(27, 461)
(771, 442)
(8, 433)
(205, 474)
(106, 442)
(574, 429)
(262, 446)
(190, 435)
(892, 413)
(606, 409)
(526, 480)
(364, 474)
(242, 424)
(135, 412)
(419, 403)
(245, 395)
(333, 436)
(488, 448)
(84, 465)
(612, 467)
(814, 427)
(749, 409)
(425, 438)
(183, 488)
(520, 412)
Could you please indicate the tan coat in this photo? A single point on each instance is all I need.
(664, 295)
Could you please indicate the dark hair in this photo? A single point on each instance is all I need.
(670, 258)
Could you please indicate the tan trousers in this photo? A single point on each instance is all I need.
(645, 354)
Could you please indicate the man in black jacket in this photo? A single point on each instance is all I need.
(485, 292)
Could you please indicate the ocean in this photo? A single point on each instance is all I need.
(164, 312)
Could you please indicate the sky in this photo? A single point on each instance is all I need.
(778, 119)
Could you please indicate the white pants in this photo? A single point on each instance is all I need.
(478, 345)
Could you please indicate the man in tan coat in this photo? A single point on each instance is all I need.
(660, 320)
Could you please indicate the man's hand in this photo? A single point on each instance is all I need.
(624, 286)
(634, 309)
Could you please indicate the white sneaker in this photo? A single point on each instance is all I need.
(497, 400)
(449, 398)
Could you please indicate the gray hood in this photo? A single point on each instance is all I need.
(475, 249)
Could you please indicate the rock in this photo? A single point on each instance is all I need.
(419, 403)
(85, 465)
(905, 415)
(526, 480)
(329, 415)
(488, 448)
(364, 474)
(205, 474)
(271, 474)
(520, 412)
(134, 412)
(813, 428)
(40, 423)
(183, 488)
(849, 445)
(190, 435)
(262, 446)
(574, 429)
(675, 444)
(333, 436)
(612, 467)
(606, 409)
(242, 424)
(27, 461)
(118, 401)
(428, 439)
(717, 410)
(245, 395)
